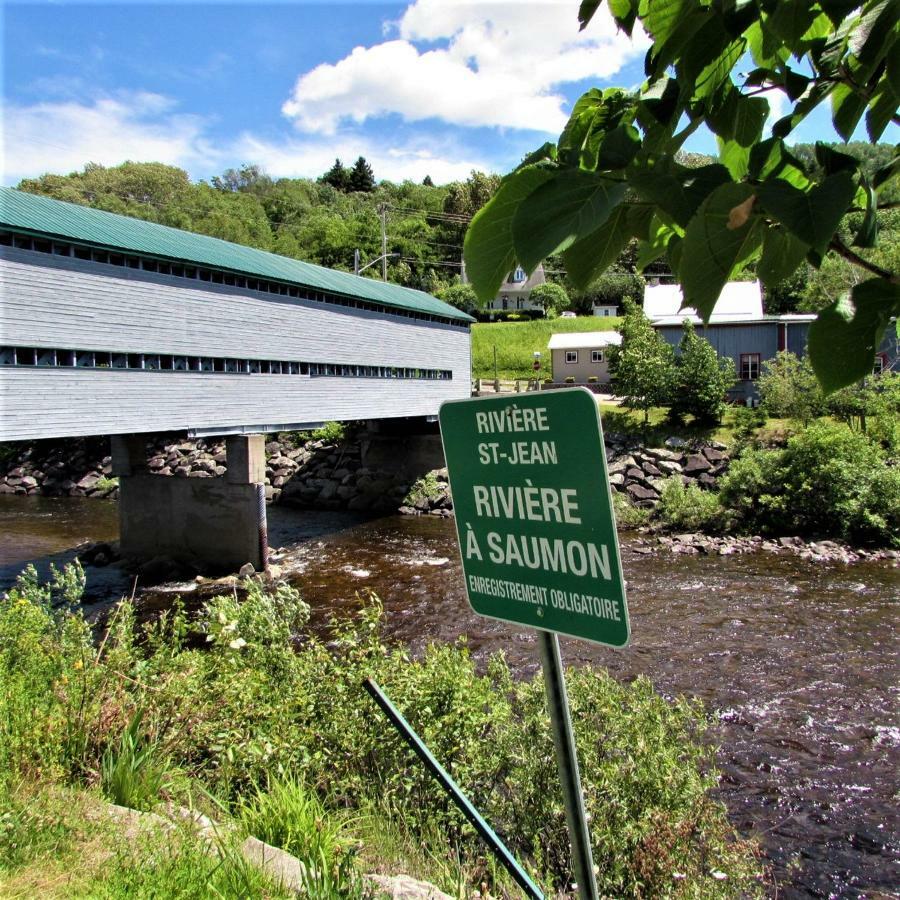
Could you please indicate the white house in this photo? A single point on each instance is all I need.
(515, 292)
(582, 355)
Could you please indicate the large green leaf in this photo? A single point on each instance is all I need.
(567, 207)
(590, 257)
(813, 215)
(739, 118)
(844, 338)
(735, 157)
(868, 231)
(781, 254)
(847, 108)
(488, 249)
(881, 109)
(618, 148)
(722, 236)
(659, 233)
(772, 159)
(674, 188)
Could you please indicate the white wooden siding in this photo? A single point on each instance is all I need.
(48, 301)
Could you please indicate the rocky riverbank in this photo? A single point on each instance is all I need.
(328, 473)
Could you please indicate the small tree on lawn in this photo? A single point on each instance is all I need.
(789, 389)
(552, 297)
(702, 378)
(643, 367)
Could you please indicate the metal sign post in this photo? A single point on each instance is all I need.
(538, 542)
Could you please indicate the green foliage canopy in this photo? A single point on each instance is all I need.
(614, 174)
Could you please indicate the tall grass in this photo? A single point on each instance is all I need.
(134, 773)
(516, 343)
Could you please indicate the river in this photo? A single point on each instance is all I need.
(797, 661)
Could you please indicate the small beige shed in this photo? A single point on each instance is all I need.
(582, 355)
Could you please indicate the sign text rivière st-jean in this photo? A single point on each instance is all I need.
(534, 514)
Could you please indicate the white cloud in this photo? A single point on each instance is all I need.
(496, 64)
(63, 136)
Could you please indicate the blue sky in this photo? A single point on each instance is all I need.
(434, 87)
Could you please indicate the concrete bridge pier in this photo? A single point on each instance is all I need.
(217, 524)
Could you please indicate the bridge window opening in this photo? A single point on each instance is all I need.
(190, 271)
(231, 365)
(82, 253)
(100, 256)
(102, 360)
(151, 361)
(132, 262)
(166, 363)
(116, 259)
(165, 268)
(26, 356)
(120, 360)
(204, 274)
(6, 238)
(218, 278)
(255, 367)
(65, 357)
(179, 363)
(23, 243)
(46, 357)
(135, 361)
(7, 356)
(178, 270)
(84, 359)
(42, 246)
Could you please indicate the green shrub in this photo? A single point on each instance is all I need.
(570, 379)
(255, 701)
(425, 488)
(828, 481)
(688, 507)
(627, 514)
(788, 388)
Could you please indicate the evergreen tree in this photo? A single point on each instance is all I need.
(702, 378)
(643, 367)
(427, 182)
(338, 176)
(362, 178)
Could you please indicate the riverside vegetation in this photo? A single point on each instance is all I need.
(244, 712)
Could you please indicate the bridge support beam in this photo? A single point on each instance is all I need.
(212, 524)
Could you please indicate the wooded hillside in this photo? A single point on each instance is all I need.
(324, 220)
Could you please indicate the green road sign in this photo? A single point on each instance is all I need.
(534, 512)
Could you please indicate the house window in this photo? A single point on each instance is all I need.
(571, 356)
(518, 275)
(596, 356)
(505, 301)
(749, 366)
(880, 364)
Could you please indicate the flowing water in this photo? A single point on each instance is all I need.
(798, 662)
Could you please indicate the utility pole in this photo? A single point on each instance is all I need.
(382, 208)
(356, 262)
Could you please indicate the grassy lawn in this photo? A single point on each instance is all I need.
(516, 343)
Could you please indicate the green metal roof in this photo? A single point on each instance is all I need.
(32, 213)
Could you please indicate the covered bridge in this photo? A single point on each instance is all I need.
(113, 325)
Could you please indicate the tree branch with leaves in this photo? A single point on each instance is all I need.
(614, 173)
